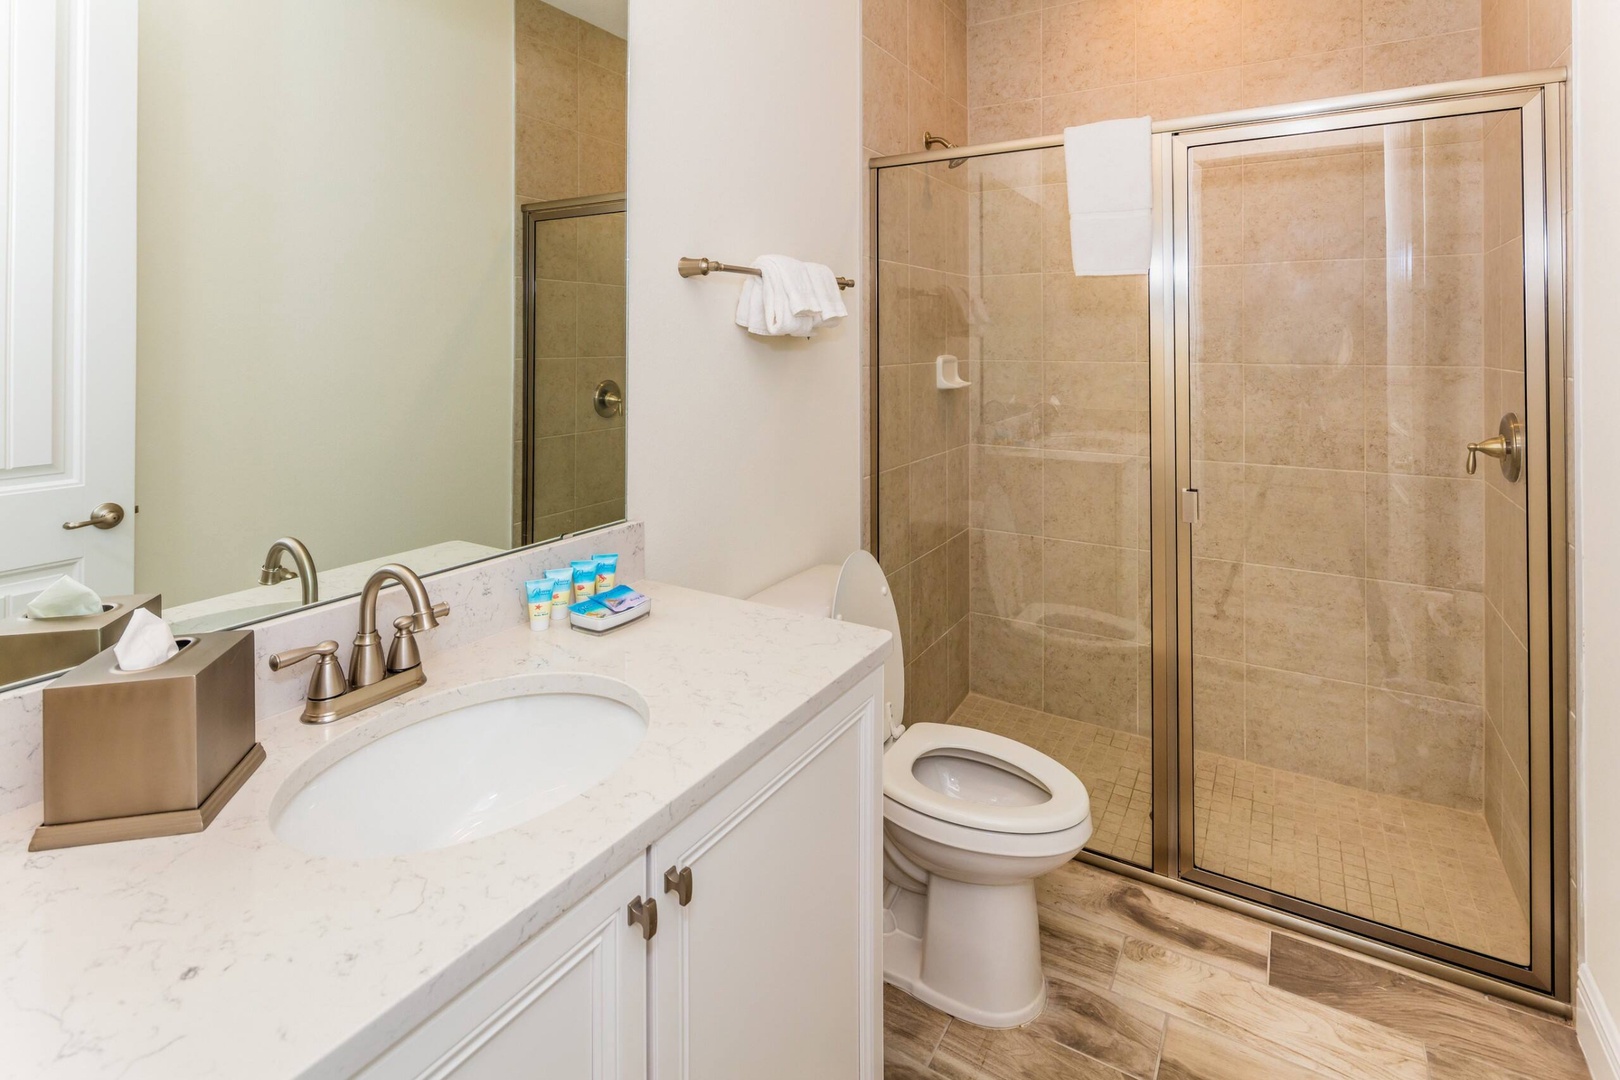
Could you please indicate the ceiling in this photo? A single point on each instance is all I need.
(610, 15)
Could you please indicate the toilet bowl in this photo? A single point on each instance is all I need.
(970, 820)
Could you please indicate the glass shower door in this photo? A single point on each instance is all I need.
(1363, 468)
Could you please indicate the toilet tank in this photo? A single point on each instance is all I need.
(858, 591)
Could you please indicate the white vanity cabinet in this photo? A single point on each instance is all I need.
(770, 968)
(570, 1003)
(766, 962)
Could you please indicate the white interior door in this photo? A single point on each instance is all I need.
(67, 351)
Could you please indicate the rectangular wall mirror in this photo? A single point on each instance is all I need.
(380, 278)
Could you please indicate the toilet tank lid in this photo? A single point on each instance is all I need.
(856, 591)
(810, 591)
(862, 596)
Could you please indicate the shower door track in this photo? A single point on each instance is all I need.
(1538, 97)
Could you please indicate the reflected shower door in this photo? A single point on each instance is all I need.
(1355, 591)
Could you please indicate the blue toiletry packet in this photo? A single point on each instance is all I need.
(615, 601)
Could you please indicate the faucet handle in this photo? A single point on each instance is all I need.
(327, 682)
(426, 620)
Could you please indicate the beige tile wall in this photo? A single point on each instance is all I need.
(570, 106)
(1036, 67)
(916, 82)
(571, 136)
(1517, 35)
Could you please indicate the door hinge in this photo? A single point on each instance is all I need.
(644, 913)
(1190, 510)
(679, 882)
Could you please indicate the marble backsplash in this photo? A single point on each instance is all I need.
(484, 598)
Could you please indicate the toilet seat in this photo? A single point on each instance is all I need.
(1067, 806)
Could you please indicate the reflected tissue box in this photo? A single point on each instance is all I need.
(31, 647)
(156, 752)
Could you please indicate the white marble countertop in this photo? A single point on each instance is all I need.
(229, 953)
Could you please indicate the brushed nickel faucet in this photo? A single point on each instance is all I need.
(272, 572)
(371, 678)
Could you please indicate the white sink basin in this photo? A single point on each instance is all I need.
(458, 775)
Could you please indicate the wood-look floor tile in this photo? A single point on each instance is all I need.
(1453, 1022)
(1077, 949)
(900, 1070)
(975, 1053)
(1102, 1025)
(1218, 937)
(911, 1029)
(1308, 1034)
(1444, 1065)
(1194, 1053)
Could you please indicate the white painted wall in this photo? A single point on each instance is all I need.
(325, 282)
(1596, 330)
(743, 454)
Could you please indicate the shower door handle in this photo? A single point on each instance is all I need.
(1507, 446)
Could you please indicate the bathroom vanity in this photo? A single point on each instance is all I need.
(708, 908)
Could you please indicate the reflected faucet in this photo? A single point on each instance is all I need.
(273, 572)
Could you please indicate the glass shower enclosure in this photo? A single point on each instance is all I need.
(1267, 546)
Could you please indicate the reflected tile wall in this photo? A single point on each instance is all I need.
(571, 134)
(579, 342)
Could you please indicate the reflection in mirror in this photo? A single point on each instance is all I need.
(330, 204)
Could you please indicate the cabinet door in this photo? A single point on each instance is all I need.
(570, 1004)
(772, 969)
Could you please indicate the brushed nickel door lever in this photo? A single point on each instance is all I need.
(106, 516)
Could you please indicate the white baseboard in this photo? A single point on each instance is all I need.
(1595, 1027)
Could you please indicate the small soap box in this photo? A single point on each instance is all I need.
(155, 752)
(610, 610)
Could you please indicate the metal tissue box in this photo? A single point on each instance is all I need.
(33, 647)
(148, 753)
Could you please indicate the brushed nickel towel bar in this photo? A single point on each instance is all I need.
(704, 267)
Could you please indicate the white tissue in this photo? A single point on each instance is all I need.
(146, 642)
(65, 597)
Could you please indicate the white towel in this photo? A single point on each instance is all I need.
(789, 298)
(1110, 182)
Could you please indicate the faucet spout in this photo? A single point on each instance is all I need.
(272, 571)
(366, 665)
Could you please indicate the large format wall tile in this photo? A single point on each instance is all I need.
(1306, 724)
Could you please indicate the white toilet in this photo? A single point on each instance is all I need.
(970, 820)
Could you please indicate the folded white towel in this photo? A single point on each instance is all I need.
(64, 598)
(789, 298)
(1110, 184)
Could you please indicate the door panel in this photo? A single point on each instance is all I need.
(771, 968)
(570, 1004)
(1360, 640)
(67, 372)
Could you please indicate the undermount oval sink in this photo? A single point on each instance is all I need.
(459, 774)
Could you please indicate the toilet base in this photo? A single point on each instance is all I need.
(972, 951)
